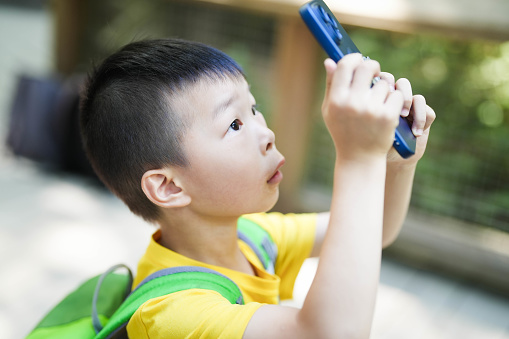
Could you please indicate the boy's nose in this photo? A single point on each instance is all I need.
(268, 140)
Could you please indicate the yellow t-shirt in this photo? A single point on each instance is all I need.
(198, 313)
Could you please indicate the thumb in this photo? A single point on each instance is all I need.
(330, 68)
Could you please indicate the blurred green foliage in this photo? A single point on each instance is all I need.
(464, 171)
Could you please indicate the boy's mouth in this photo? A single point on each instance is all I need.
(277, 176)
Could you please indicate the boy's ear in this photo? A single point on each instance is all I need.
(159, 186)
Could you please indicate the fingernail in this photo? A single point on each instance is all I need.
(405, 112)
(417, 131)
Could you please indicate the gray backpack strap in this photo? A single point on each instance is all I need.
(260, 241)
(95, 315)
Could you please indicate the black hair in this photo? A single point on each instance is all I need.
(128, 125)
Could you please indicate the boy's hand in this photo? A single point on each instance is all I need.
(417, 112)
(361, 119)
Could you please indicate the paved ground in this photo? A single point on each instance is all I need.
(56, 230)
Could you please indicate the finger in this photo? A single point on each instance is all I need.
(379, 93)
(364, 74)
(389, 78)
(406, 88)
(330, 67)
(394, 103)
(419, 112)
(344, 73)
(430, 117)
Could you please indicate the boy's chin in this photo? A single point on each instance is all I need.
(267, 206)
(272, 203)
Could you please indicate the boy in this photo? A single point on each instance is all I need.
(171, 127)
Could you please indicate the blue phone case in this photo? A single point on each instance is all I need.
(336, 42)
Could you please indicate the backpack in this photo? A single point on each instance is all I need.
(102, 306)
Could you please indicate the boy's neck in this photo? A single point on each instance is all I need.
(210, 240)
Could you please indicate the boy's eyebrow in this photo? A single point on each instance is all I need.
(224, 105)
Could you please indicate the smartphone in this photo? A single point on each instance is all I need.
(335, 41)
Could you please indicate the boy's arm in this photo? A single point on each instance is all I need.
(361, 121)
(400, 172)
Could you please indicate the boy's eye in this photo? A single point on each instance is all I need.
(254, 109)
(235, 125)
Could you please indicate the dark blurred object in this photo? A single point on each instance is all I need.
(33, 111)
(25, 4)
(44, 124)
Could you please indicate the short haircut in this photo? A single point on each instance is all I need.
(128, 124)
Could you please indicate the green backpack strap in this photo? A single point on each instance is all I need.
(260, 242)
(166, 281)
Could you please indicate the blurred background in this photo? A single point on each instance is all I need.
(447, 276)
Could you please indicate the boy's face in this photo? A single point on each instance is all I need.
(233, 161)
